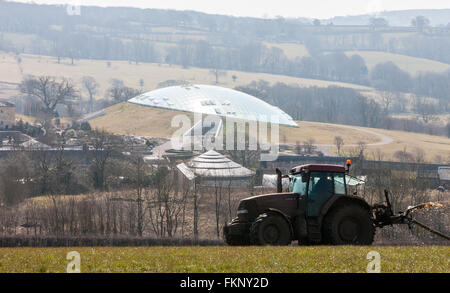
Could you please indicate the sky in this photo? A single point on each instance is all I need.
(269, 8)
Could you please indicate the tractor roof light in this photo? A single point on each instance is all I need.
(347, 166)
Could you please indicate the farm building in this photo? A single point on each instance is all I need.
(214, 100)
(444, 176)
(7, 114)
(215, 170)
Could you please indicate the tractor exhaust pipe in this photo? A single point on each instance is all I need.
(279, 180)
(388, 202)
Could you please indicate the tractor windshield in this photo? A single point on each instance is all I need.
(296, 185)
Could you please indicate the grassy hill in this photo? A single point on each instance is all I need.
(412, 65)
(133, 119)
(126, 118)
(13, 71)
(291, 50)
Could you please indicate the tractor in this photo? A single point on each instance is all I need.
(321, 207)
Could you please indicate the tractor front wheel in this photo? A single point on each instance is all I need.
(348, 224)
(270, 229)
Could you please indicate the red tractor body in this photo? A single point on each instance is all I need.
(317, 209)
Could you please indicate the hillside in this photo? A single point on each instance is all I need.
(13, 72)
(146, 34)
(147, 47)
(291, 50)
(412, 65)
(132, 119)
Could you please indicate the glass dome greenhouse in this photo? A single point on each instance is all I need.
(214, 100)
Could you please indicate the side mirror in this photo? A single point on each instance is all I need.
(304, 177)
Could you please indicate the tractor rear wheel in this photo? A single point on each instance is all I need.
(348, 224)
(270, 229)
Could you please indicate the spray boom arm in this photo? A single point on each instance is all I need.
(384, 216)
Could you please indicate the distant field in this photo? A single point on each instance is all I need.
(436, 148)
(12, 71)
(323, 259)
(133, 119)
(412, 65)
(291, 50)
(441, 119)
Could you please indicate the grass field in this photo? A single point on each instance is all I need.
(323, 259)
(291, 50)
(412, 65)
(440, 119)
(436, 148)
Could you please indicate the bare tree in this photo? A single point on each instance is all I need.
(298, 147)
(16, 176)
(387, 99)
(42, 160)
(49, 91)
(91, 85)
(426, 109)
(165, 205)
(104, 145)
(419, 156)
(218, 73)
(218, 197)
(119, 92)
(196, 197)
(404, 156)
(361, 148)
(309, 145)
(138, 173)
(339, 142)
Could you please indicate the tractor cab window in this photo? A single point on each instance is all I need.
(320, 183)
(320, 189)
(339, 184)
(297, 186)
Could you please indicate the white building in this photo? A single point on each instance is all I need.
(215, 170)
(216, 101)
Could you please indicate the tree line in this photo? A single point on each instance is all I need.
(131, 34)
(47, 97)
(340, 105)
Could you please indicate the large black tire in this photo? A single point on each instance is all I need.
(270, 229)
(348, 224)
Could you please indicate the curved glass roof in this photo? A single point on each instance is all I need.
(213, 100)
